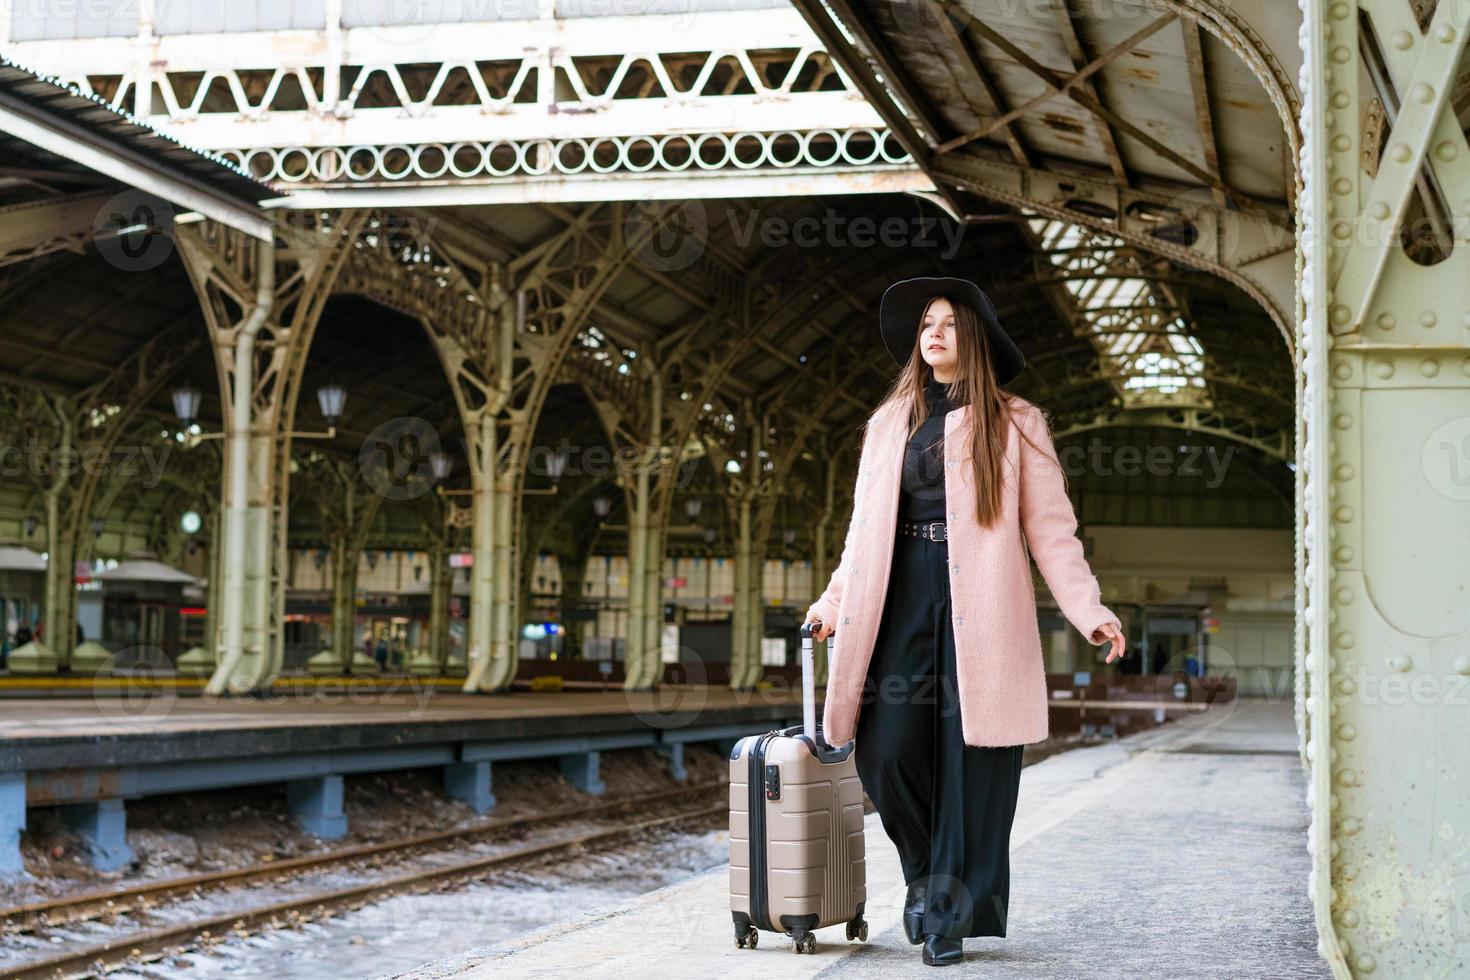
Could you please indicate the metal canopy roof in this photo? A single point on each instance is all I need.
(1130, 92)
(68, 133)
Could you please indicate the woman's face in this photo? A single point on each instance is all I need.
(938, 340)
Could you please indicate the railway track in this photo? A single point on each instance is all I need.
(141, 945)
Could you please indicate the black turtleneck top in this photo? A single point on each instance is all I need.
(921, 494)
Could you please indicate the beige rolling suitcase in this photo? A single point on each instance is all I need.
(796, 830)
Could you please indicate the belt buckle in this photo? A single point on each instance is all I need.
(930, 531)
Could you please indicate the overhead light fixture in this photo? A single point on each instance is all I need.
(186, 403)
(333, 399)
(692, 507)
(441, 464)
(556, 465)
(601, 506)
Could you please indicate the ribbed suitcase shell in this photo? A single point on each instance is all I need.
(816, 869)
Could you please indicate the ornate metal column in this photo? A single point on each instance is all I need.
(1386, 405)
(261, 305)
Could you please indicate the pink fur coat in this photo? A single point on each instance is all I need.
(1001, 677)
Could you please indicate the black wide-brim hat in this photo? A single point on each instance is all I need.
(903, 303)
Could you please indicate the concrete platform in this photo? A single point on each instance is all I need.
(76, 732)
(1177, 852)
(91, 755)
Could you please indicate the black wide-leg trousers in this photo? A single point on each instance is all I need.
(947, 806)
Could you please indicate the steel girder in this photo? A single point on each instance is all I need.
(583, 108)
(1386, 384)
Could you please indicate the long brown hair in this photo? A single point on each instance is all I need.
(987, 405)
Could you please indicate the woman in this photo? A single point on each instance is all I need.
(939, 672)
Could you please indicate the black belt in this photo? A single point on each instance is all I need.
(932, 530)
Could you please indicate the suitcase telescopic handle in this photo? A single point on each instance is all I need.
(809, 682)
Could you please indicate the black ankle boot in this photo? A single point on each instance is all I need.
(913, 914)
(942, 951)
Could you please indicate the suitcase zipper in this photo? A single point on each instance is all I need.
(759, 902)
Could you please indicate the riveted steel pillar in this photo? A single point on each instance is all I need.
(1386, 458)
(635, 642)
(344, 598)
(439, 586)
(60, 635)
(503, 644)
(482, 632)
(740, 609)
(747, 616)
(653, 603)
(654, 526)
(755, 614)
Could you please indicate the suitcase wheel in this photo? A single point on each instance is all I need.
(805, 943)
(746, 936)
(857, 929)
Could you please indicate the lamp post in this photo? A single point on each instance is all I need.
(331, 399)
(556, 465)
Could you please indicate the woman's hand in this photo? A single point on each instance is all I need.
(1120, 645)
(822, 631)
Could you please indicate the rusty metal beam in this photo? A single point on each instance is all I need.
(1055, 81)
(1078, 56)
(1200, 85)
